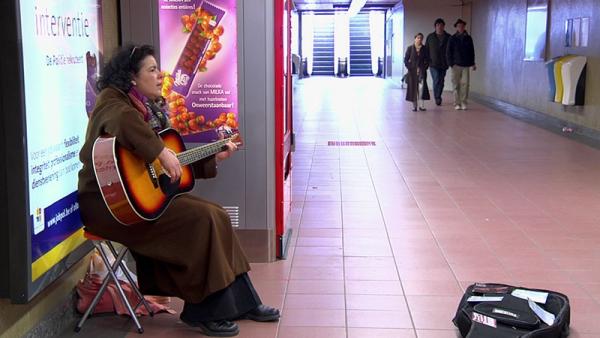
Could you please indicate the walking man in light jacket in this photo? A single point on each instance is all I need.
(461, 57)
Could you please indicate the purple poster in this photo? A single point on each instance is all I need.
(198, 53)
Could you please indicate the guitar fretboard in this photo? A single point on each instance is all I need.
(196, 154)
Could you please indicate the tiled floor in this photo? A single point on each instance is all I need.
(387, 236)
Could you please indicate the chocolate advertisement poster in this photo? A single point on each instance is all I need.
(198, 56)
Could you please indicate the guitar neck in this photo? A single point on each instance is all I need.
(196, 154)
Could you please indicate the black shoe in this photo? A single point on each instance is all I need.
(217, 328)
(415, 109)
(262, 313)
(438, 102)
(422, 109)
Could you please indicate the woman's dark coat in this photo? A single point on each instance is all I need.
(414, 61)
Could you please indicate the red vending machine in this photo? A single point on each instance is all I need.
(284, 136)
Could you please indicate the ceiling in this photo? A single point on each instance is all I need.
(339, 4)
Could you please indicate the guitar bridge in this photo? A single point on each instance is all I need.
(152, 174)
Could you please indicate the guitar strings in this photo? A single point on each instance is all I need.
(192, 155)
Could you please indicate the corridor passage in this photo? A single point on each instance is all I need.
(396, 212)
(389, 235)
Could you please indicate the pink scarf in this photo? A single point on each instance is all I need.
(137, 99)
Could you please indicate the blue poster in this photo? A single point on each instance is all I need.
(61, 42)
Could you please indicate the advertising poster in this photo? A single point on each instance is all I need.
(198, 53)
(61, 53)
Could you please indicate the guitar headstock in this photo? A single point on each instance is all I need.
(231, 133)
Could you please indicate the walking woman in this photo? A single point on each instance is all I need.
(416, 61)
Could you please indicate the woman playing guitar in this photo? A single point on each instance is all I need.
(191, 250)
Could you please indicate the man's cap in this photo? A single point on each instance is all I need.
(459, 21)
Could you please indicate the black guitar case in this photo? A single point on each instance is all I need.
(510, 316)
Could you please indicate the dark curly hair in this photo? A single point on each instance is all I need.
(119, 70)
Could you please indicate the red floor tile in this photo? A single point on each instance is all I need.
(433, 320)
(312, 273)
(431, 274)
(313, 317)
(315, 286)
(379, 319)
(322, 261)
(380, 333)
(374, 287)
(318, 251)
(315, 301)
(319, 241)
(320, 232)
(370, 274)
(375, 302)
(369, 262)
(311, 332)
(431, 288)
(438, 334)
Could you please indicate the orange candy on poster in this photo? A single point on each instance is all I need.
(215, 46)
(231, 123)
(193, 125)
(218, 31)
(204, 25)
(209, 55)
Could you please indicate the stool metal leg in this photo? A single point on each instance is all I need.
(131, 281)
(96, 299)
(112, 275)
(111, 271)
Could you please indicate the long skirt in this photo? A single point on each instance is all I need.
(233, 301)
(417, 90)
(190, 252)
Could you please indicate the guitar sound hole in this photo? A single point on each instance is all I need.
(166, 186)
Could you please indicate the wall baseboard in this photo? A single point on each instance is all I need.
(62, 318)
(258, 244)
(582, 134)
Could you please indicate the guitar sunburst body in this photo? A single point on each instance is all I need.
(136, 191)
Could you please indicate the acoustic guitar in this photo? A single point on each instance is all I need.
(136, 191)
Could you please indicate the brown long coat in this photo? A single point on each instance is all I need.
(191, 251)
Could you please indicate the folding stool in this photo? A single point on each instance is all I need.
(112, 276)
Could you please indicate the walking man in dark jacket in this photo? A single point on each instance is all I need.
(460, 56)
(437, 43)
